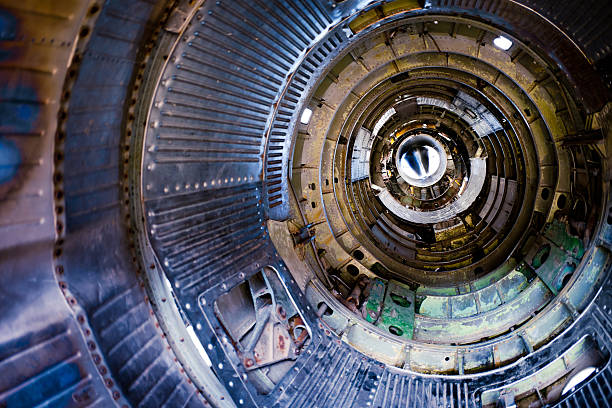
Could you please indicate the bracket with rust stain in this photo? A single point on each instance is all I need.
(269, 341)
(265, 326)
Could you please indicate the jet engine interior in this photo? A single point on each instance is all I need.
(305, 203)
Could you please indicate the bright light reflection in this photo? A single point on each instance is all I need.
(502, 43)
(306, 116)
(577, 379)
(384, 118)
(412, 165)
(198, 345)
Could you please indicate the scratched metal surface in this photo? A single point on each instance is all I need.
(77, 329)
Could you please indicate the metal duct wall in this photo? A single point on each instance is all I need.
(77, 327)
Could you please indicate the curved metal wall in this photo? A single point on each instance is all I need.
(77, 328)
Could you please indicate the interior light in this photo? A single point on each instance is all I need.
(577, 379)
(306, 116)
(420, 162)
(502, 43)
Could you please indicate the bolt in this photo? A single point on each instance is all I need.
(248, 363)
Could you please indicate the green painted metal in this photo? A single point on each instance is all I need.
(515, 282)
(557, 232)
(488, 299)
(486, 281)
(463, 305)
(557, 255)
(549, 263)
(435, 306)
(496, 275)
(591, 277)
(483, 325)
(373, 306)
(398, 310)
(541, 256)
(442, 291)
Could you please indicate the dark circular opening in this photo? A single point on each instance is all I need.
(562, 201)
(545, 193)
(541, 256)
(395, 330)
(358, 255)
(400, 300)
(566, 280)
(353, 270)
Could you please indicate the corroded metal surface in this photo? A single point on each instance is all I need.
(80, 329)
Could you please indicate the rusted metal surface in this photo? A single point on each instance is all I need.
(373, 307)
(265, 327)
(132, 361)
(552, 38)
(481, 302)
(349, 241)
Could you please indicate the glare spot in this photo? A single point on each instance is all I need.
(420, 162)
(383, 119)
(502, 43)
(306, 116)
(198, 345)
(577, 379)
